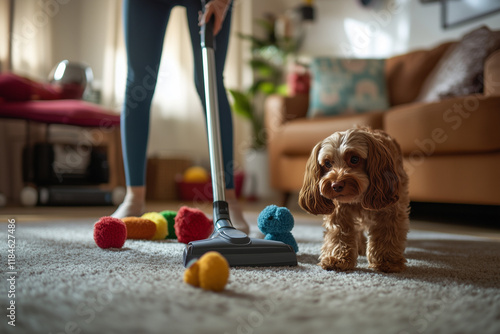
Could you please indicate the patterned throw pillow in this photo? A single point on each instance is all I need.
(347, 86)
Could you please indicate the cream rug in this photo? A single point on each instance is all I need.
(66, 284)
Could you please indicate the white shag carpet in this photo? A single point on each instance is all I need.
(66, 284)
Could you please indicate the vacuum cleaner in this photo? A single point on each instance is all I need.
(234, 245)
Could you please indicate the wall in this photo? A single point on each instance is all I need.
(428, 32)
(345, 28)
(385, 28)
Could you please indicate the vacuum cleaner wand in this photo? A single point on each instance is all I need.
(234, 245)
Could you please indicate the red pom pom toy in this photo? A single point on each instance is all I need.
(191, 225)
(110, 232)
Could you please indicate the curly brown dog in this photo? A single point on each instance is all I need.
(356, 179)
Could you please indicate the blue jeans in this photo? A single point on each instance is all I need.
(145, 23)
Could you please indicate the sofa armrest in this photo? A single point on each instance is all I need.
(492, 74)
(281, 109)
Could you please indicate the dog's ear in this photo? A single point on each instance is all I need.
(310, 198)
(381, 168)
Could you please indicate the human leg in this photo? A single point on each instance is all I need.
(145, 23)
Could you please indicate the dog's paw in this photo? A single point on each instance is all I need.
(333, 263)
(389, 267)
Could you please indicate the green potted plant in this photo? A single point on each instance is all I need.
(268, 61)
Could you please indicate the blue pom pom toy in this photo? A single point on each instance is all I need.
(277, 223)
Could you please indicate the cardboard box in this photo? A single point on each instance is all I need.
(160, 177)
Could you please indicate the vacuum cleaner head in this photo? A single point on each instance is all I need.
(240, 250)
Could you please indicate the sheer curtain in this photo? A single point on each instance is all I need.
(32, 38)
(177, 124)
(5, 18)
(4, 149)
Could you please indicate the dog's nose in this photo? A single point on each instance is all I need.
(338, 186)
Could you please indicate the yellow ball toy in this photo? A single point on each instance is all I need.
(161, 225)
(191, 275)
(195, 174)
(210, 272)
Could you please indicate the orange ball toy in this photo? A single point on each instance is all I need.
(139, 228)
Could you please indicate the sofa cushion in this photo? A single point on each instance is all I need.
(405, 74)
(70, 112)
(460, 69)
(299, 136)
(457, 125)
(17, 88)
(347, 86)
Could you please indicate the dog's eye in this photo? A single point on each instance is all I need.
(354, 160)
(328, 164)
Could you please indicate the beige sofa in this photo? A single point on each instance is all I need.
(451, 147)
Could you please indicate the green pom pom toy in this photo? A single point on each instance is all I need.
(170, 218)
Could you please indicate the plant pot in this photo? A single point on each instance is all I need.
(257, 184)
